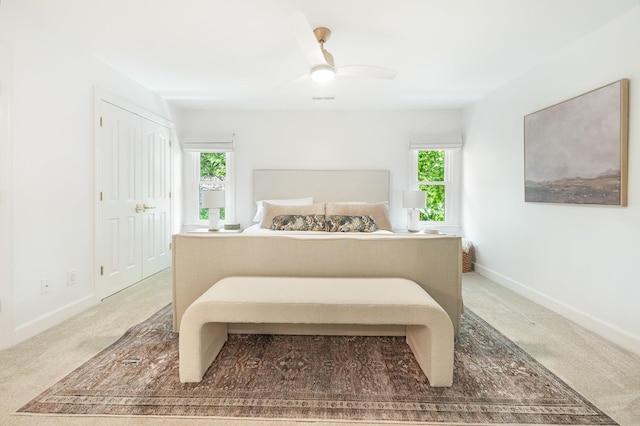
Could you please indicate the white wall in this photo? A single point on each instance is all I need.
(5, 196)
(322, 140)
(52, 170)
(578, 260)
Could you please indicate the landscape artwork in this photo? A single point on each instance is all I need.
(576, 151)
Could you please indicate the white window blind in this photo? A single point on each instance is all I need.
(217, 142)
(426, 142)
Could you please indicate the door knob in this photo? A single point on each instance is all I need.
(139, 208)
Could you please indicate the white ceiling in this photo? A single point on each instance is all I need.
(232, 54)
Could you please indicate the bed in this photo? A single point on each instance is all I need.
(432, 261)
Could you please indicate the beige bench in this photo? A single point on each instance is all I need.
(293, 300)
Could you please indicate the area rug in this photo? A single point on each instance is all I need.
(333, 378)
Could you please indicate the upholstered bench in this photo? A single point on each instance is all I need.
(293, 300)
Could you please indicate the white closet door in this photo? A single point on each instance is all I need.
(119, 153)
(156, 200)
(133, 157)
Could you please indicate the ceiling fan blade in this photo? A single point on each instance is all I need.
(366, 71)
(306, 39)
(300, 79)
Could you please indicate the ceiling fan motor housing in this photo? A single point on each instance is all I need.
(322, 34)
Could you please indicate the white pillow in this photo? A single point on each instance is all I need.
(307, 201)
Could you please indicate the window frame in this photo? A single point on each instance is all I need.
(192, 188)
(452, 184)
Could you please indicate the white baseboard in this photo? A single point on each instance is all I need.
(44, 322)
(608, 331)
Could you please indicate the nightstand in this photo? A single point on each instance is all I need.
(219, 231)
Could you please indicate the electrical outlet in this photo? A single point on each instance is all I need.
(45, 285)
(72, 278)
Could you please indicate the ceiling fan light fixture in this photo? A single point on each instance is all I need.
(322, 73)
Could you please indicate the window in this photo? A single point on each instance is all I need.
(436, 170)
(213, 177)
(431, 168)
(208, 165)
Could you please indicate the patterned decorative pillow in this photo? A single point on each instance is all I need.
(351, 224)
(298, 222)
(272, 210)
(378, 211)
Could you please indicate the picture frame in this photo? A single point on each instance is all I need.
(575, 152)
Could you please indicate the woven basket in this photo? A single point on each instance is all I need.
(467, 260)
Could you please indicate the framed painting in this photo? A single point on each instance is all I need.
(576, 151)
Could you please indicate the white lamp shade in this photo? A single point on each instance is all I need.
(213, 199)
(414, 199)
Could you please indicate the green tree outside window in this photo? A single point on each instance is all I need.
(431, 171)
(213, 173)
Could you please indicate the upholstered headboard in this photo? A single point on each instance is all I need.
(371, 186)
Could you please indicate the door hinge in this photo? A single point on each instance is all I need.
(102, 270)
(100, 195)
(100, 121)
(169, 194)
(170, 141)
(169, 246)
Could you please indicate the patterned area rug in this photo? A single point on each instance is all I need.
(319, 377)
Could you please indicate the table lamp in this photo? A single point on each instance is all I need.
(414, 201)
(214, 201)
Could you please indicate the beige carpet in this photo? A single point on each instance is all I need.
(373, 379)
(601, 371)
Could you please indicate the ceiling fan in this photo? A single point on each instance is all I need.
(323, 68)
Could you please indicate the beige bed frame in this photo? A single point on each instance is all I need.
(432, 261)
